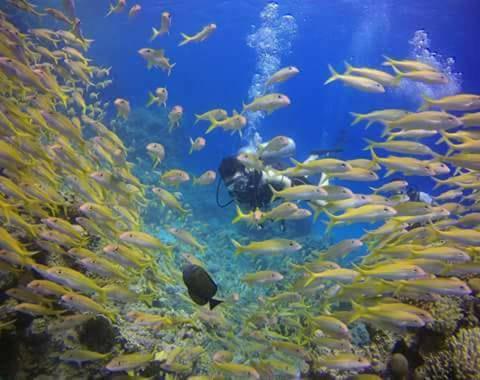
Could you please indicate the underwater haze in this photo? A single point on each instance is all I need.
(239, 189)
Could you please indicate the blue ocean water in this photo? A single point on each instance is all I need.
(254, 38)
(252, 41)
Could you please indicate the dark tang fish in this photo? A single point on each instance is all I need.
(201, 287)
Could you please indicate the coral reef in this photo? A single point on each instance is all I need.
(460, 358)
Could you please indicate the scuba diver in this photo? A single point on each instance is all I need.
(250, 188)
(415, 195)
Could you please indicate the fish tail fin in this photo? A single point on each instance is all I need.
(169, 251)
(310, 279)
(374, 155)
(427, 103)
(274, 193)
(438, 183)
(186, 39)
(170, 68)
(358, 311)
(370, 143)
(191, 145)
(334, 75)
(332, 220)
(213, 303)
(398, 76)
(110, 10)
(441, 139)
(348, 68)
(151, 99)
(358, 117)
(388, 61)
(197, 119)
(358, 269)
(155, 34)
(213, 125)
(316, 213)
(238, 247)
(147, 298)
(239, 216)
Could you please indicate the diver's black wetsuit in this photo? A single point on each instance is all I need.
(246, 187)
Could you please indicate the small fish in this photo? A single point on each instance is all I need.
(165, 23)
(282, 75)
(267, 103)
(460, 102)
(341, 275)
(144, 240)
(217, 114)
(343, 361)
(234, 123)
(187, 237)
(379, 76)
(123, 108)
(206, 178)
(262, 277)
(175, 177)
(324, 165)
(174, 117)
(201, 287)
(197, 145)
(301, 192)
(117, 8)
(273, 246)
(200, 36)
(134, 10)
(391, 187)
(160, 97)
(157, 152)
(85, 304)
(424, 76)
(130, 362)
(237, 369)
(408, 65)
(157, 58)
(82, 356)
(360, 83)
(169, 200)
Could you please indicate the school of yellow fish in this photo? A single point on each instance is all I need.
(71, 213)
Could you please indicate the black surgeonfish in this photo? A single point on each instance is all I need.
(201, 287)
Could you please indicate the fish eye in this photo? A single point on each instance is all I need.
(290, 244)
(279, 96)
(343, 165)
(385, 209)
